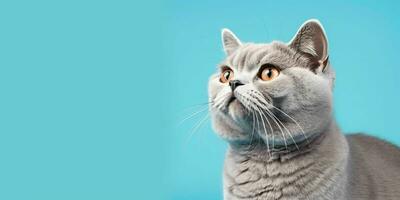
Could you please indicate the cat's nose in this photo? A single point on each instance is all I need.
(234, 84)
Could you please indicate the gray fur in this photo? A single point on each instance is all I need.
(283, 140)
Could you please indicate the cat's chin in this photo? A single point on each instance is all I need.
(237, 111)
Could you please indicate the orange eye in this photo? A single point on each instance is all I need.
(226, 75)
(269, 73)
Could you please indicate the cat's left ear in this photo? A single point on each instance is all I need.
(229, 41)
(311, 40)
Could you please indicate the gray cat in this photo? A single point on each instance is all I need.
(273, 104)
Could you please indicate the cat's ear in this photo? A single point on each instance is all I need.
(311, 40)
(229, 41)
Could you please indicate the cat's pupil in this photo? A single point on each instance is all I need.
(227, 74)
(269, 73)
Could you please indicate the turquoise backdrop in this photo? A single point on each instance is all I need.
(93, 93)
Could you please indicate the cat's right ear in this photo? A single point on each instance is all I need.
(229, 41)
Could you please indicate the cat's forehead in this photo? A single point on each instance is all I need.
(250, 55)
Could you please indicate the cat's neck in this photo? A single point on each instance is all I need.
(259, 150)
(314, 170)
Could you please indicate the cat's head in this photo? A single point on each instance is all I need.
(274, 92)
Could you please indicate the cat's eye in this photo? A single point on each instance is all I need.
(268, 73)
(226, 75)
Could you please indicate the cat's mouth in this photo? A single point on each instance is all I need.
(235, 103)
(236, 109)
(231, 99)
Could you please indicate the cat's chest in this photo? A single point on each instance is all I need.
(299, 179)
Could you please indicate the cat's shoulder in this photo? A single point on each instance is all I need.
(369, 141)
(372, 145)
(362, 138)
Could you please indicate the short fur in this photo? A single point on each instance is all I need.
(283, 140)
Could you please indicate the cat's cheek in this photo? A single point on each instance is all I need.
(214, 88)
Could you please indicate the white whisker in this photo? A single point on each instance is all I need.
(192, 115)
(220, 100)
(302, 131)
(265, 130)
(279, 126)
(197, 126)
(285, 129)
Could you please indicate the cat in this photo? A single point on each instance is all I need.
(272, 103)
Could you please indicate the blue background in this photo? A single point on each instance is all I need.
(92, 93)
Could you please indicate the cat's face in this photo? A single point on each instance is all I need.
(273, 92)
